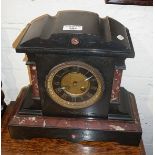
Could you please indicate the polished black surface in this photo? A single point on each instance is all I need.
(98, 36)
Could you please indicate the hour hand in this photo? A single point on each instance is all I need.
(63, 88)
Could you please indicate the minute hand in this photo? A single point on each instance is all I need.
(88, 78)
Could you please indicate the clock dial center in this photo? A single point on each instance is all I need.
(75, 84)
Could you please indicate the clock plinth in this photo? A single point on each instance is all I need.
(73, 129)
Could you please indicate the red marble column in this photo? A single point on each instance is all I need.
(34, 80)
(116, 85)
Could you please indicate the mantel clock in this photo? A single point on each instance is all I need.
(75, 61)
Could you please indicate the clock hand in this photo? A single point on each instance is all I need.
(88, 78)
(63, 88)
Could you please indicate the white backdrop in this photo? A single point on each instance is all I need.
(138, 76)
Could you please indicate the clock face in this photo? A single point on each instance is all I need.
(74, 84)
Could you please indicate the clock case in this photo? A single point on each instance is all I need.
(104, 43)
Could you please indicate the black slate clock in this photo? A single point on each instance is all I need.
(76, 61)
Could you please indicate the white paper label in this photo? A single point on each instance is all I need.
(72, 27)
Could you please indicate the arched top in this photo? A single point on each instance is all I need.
(104, 36)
